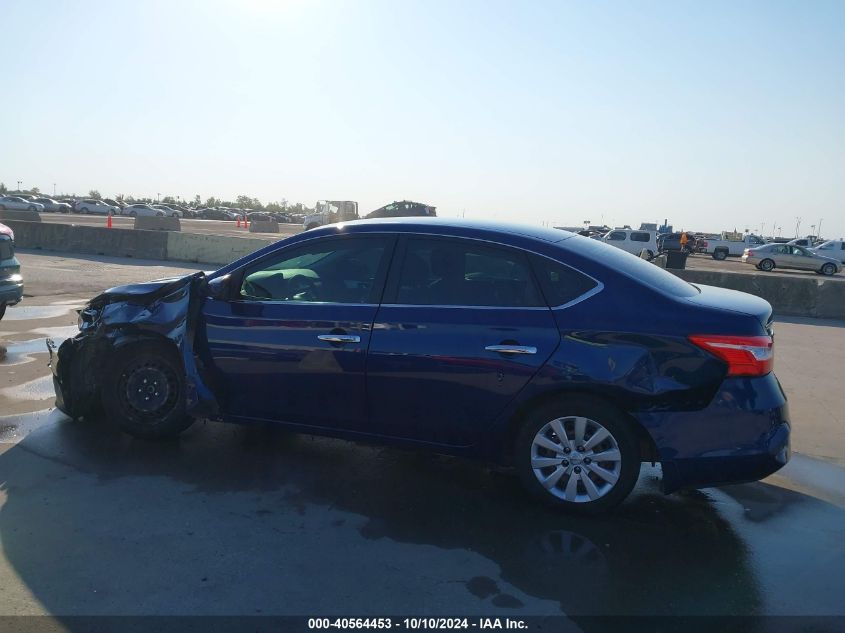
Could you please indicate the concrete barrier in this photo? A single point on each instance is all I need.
(210, 249)
(27, 216)
(798, 295)
(72, 238)
(264, 226)
(157, 223)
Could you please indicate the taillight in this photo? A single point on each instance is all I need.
(704, 245)
(745, 355)
(748, 252)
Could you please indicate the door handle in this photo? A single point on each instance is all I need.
(511, 349)
(339, 338)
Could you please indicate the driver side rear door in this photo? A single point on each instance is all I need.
(289, 344)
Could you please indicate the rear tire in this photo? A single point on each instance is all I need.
(767, 265)
(84, 210)
(575, 478)
(144, 391)
(720, 255)
(2, 310)
(828, 269)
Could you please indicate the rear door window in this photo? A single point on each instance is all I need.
(616, 236)
(455, 272)
(640, 237)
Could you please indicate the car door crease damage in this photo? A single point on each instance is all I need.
(404, 333)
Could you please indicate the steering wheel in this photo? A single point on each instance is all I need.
(302, 288)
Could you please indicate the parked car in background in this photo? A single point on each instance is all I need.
(770, 256)
(403, 208)
(806, 242)
(54, 206)
(672, 242)
(119, 204)
(218, 213)
(168, 210)
(729, 244)
(95, 207)
(553, 353)
(633, 241)
(17, 203)
(141, 209)
(11, 281)
(329, 212)
(831, 248)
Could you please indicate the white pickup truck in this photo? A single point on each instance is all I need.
(733, 244)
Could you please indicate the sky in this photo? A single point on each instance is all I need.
(715, 115)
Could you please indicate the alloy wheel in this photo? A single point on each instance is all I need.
(576, 459)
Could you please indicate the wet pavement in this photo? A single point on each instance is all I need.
(251, 520)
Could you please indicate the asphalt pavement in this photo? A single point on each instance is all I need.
(250, 520)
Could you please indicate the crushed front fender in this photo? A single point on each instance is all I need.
(167, 309)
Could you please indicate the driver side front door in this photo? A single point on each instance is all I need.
(290, 343)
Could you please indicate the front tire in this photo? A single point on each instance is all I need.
(767, 265)
(579, 454)
(2, 310)
(84, 210)
(828, 269)
(144, 391)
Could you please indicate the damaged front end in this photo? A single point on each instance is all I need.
(164, 310)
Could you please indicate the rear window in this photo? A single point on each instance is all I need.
(631, 266)
(640, 237)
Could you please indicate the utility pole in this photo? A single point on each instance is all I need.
(820, 227)
(54, 190)
(19, 185)
(797, 225)
(158, 197)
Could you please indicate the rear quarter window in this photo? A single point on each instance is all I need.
(631, 266)
(559, 283)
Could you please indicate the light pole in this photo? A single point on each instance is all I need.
(158, 197)
(54, 190)
(19, 185)
(820, 227)
(797, 225)
(779, 231)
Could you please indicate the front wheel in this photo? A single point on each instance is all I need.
(31, 208)
(767, 265)
(579, 454)
(2, 310)
(84, 210)
(144, 391)
(828, 269)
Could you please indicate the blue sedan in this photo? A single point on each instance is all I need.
(564, 357)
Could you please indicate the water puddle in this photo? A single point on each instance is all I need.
(37, 389)
(14, 428)
(20, 352)
(25, 313)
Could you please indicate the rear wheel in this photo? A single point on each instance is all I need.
(84, 210)
(2, 310)
(828, 269)
(133, 213)
(2, 207)
(767, 265)
(720, 255)
(31, 208)
(144, 391)
(579, 454)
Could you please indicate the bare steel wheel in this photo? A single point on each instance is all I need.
(576, 459)
(579, 453)
(144, 391)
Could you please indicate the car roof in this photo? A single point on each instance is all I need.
(446, 226)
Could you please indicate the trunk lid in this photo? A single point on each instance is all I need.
(733, 301)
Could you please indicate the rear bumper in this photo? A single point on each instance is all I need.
(743, 435)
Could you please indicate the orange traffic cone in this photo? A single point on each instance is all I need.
(108, 222)
(239, 221)
(246, 222)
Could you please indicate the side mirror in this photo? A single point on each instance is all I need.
(219, 288)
